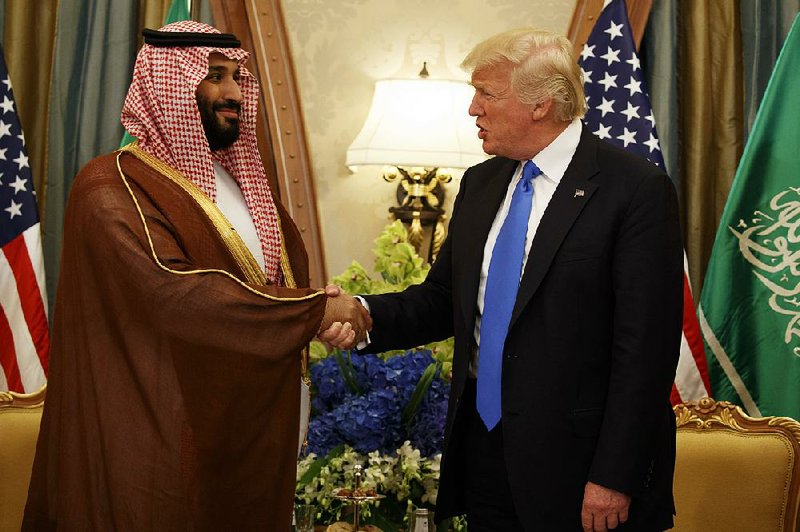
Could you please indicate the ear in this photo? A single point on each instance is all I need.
(541, 109)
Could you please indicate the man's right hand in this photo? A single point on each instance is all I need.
(345, 322)
(603, 508)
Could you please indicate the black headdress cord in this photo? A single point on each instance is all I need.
(184, 38)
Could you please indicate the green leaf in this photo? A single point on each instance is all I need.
(420, 390)
(384, 523)
(388, 514)
(316, 352)
(347, 371)
(316, 467)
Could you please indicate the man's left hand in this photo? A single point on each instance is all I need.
(603, 508)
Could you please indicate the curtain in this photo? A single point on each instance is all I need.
(95, 49)
(681, 38)
(710, 89)
(765, 24)
(659, 60)
(29, 57)
(94, 52)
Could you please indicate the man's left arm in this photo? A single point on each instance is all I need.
(647, 276)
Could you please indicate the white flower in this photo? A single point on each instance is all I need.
(396, 475)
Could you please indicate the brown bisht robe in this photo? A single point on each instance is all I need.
(173, 400)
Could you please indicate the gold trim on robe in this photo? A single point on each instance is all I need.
(228, 234)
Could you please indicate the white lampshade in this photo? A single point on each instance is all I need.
(418, 122)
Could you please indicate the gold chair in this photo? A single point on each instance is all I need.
(734, 472)
(20, 415)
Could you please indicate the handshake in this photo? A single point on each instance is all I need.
(346, 321)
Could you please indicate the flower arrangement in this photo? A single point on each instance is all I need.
(384, 411)
(370, 403)
(405, 476)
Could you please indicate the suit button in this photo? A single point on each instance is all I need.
(509, 356)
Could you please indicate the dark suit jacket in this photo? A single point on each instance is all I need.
(593, 343)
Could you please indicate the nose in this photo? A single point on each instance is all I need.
(475, 108)
(230, 90)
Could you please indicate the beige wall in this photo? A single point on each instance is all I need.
(340, 48)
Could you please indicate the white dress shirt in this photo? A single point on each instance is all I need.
(231, 202)
(553, 162)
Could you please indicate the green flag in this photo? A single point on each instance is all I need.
(178, 10)
(750, 304)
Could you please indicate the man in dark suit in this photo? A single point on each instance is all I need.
(567, 330)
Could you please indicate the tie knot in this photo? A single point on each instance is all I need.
(529, 171)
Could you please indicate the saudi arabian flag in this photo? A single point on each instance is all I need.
(179, 10)
(750, 304)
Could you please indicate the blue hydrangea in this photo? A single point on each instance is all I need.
(322, 434)
(426, 432)
(372, 420)
(329, 388)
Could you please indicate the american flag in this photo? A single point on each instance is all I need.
(24, 340)
(619, 112)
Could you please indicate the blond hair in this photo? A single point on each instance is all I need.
(542, 67)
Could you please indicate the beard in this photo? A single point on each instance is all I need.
(221, 132)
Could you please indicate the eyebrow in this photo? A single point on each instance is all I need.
(221, 69)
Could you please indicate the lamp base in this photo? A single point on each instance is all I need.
(420, 194)
(426, 230)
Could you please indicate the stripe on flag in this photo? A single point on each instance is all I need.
(24, 371)
(727, 366)
(691, 377)
(33, 241)
(8, 356)
(29, 294)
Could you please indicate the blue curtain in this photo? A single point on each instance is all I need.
(765, 24)
(94, 53)
(658, 51)
(95, 49)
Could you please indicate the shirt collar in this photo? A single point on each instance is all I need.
(554, 159)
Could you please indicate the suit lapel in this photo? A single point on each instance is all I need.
(475, 220)
(569, 199)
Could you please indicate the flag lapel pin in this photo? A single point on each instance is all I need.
(579, 193)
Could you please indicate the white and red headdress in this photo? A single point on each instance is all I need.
(161, 112)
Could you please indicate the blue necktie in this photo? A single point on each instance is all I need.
(502, 284)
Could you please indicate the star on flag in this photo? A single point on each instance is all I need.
(14, 210)
(619, 108)
(18, 185)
